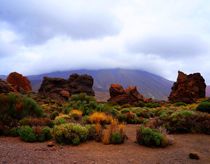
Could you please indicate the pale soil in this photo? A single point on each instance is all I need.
(13, 150)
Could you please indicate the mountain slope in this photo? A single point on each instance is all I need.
(208, 91)
(150, 85)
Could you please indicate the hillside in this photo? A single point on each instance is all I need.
(150, 85)
(208, 91)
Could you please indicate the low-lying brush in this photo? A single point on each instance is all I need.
(70, 133)
(151, 137)
(100, 117)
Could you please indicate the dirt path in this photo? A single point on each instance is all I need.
(13, 150)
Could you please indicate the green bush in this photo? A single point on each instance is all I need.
(117, 138)
(151, 137)
(152, 105)
(70, 133)
(16, 107)
(53, 115)
(27, 134)
(42, 133)
(180, 104)
(204, 107)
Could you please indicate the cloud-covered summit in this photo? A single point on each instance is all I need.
(154, 35)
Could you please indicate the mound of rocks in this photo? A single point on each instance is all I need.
(19, 82)
(5, 87)
(188, 88)
(62, 89)
(121, 96)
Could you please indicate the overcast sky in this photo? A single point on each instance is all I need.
(159, 36)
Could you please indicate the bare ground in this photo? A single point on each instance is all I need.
(13, 150)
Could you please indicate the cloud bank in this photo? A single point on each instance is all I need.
(157, 36)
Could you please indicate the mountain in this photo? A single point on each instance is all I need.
(3, 77)
(150, 85)
(208, 91)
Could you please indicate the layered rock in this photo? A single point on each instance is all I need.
(61, 89)
(122, 96)
(188, 88)
(19, 82)
(5, 87)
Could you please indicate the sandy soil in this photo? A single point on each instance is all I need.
(13, 150)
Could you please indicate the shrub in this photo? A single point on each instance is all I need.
(70, 133)
(152, 105)
(32, 134)
(151, 137)
(76, 114)
(15, 107)
(100, 117)
(61, 119)
(204, 107)
(14, 132)
(27, 134)
(114, 133)
(42, 133)
(180, 104)
(116, 138)
(53, 115)
(36, 122)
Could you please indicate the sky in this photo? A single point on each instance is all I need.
(158, 36)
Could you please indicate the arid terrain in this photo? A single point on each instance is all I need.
(13, 150)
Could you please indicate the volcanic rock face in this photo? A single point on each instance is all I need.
(5, 87)
(61, 89)
(122, 96)
(188, 88)
(19, 82)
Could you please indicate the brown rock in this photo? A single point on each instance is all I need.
(5, 87)
(128, 96)
(194, 156)
(19, 82)
(50, 144)
(188, 88)
(61, 89)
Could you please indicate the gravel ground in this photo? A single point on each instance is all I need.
(13, 150)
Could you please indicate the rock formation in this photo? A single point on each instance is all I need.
(19, 82)
(5, 87)
(61, 89)
(188, 88)
(122, 96)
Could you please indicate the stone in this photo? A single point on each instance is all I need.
(62, 89)
(122, 96)
(19, 82)
(188, 88)
(5, 87)
(50, 144)
(194, 156)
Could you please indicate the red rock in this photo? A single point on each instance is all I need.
(124, 96)
(188, 88)
(19, 82)
(65, 93)
(5, 87)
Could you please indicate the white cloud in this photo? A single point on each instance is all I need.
(163, 36)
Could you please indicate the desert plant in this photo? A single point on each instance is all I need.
(116, 138)
(204, 107)
(53, 115)
(75, 114)
(70, 133)
(100, 117)
(180, 104)
(27, 134)
(151, 137)
(44, 121)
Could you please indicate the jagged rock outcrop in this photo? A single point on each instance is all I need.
(61, 89)
(5, 87)
(122, 96)
(188, 88)
(19, 82)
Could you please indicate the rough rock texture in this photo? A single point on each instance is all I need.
(5, 87)
(121, 96)
(188, 88)
(19, 82)
(61, 89)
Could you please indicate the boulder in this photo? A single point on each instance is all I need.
(62, 89)
(188, 88)
(19, 82)
(81, 84)
(5, 87)
(122, 96)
